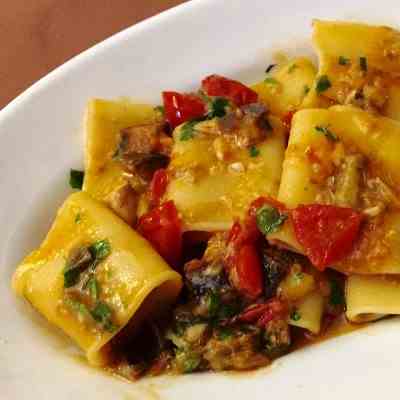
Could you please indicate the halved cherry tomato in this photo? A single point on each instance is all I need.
(158, 186)
(162, 228)
(179, 107)
(326, 232)
(249, 272)
(216, 85)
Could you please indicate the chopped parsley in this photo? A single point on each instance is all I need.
(295, 315)
(218, 107)
(292, 68)
(78, 218)
(191, 363)
(306, 89)
(71, 276)
(343, 60)
(363, 64)
(327, 132)
(76, 306)
(100, 250)
(76, 178)
(213, 304)
(253, 151)
(298, 277)
(94, 288)
(337, 296)
(269, 219)
(271, 81)
(323, 83)
(224, 333)
(269, 68)
(102, 313)
(187, 130)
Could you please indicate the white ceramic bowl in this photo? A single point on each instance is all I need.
(41, 140)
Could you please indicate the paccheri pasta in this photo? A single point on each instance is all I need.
(224, 228)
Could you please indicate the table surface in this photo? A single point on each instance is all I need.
(38, 35)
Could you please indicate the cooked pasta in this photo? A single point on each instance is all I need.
(233, 224)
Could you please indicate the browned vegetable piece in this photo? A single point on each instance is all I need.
(124, 202)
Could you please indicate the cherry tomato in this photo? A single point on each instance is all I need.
(162, 228)
(216, 85)
(249, 272)
(158, 186)
(180, 107)
(327, 233)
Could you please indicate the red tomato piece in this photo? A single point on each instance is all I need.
(253, 312)
(276, 310)
(158, 186)
(179, 107)
(326, 232)
(216, 85)
(162, 228)
(249, 272)
(287, 118)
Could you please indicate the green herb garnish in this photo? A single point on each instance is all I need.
(224, 333)
(76, 178)
(292, 68)
(271, 81)
(213, 303)
(217, 107)
(78, 218)
(295, 315)
(327, 132)
(102, 313)
(191, 363)
(337, 296)
(76, 306)
(323, 83)
(253, 151)
(343, 60)
(187, 130)
(363, 64)
(94, 288)
(100, 250)
(269, 219)
(306, 89)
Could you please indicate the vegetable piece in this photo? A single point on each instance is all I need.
(326, 232)
(239, 94)
(269, 219)
(271, 81)
(76, 179)
(343, 60)
(102, 313)
(253, 151)
(93, 287)
(269, 68)
(180, 107)
(78, 261)
(218, 108)
(158, 185)
(100, 250)
(277, 338)
(249, 272)
(187, 130)
(162, 228)
(323, 83)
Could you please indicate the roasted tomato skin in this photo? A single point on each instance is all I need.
(163, 229)
(327, 233)
(239, 94)
(158, 186)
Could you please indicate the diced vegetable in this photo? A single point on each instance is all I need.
(158, 185)
(239, 94)
(162, 228)
(326, 232)
(180, 107)
(76, 179)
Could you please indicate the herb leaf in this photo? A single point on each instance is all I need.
(363, 64)
(323, 83)
(327, 132)
(343, 60)
(224, 333)
(77, 262)
(102, 313)
(191, 363)
(269, 219)
(76, 306)
(159, 109)
(271, 81)
(187, 130)
(253, 151)
(78, 218)
(213, 303)
(295, 315)
(337, 296)
(100, 250)
(217, 107)
(76, 178)
(94, 288)
(306, 89)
